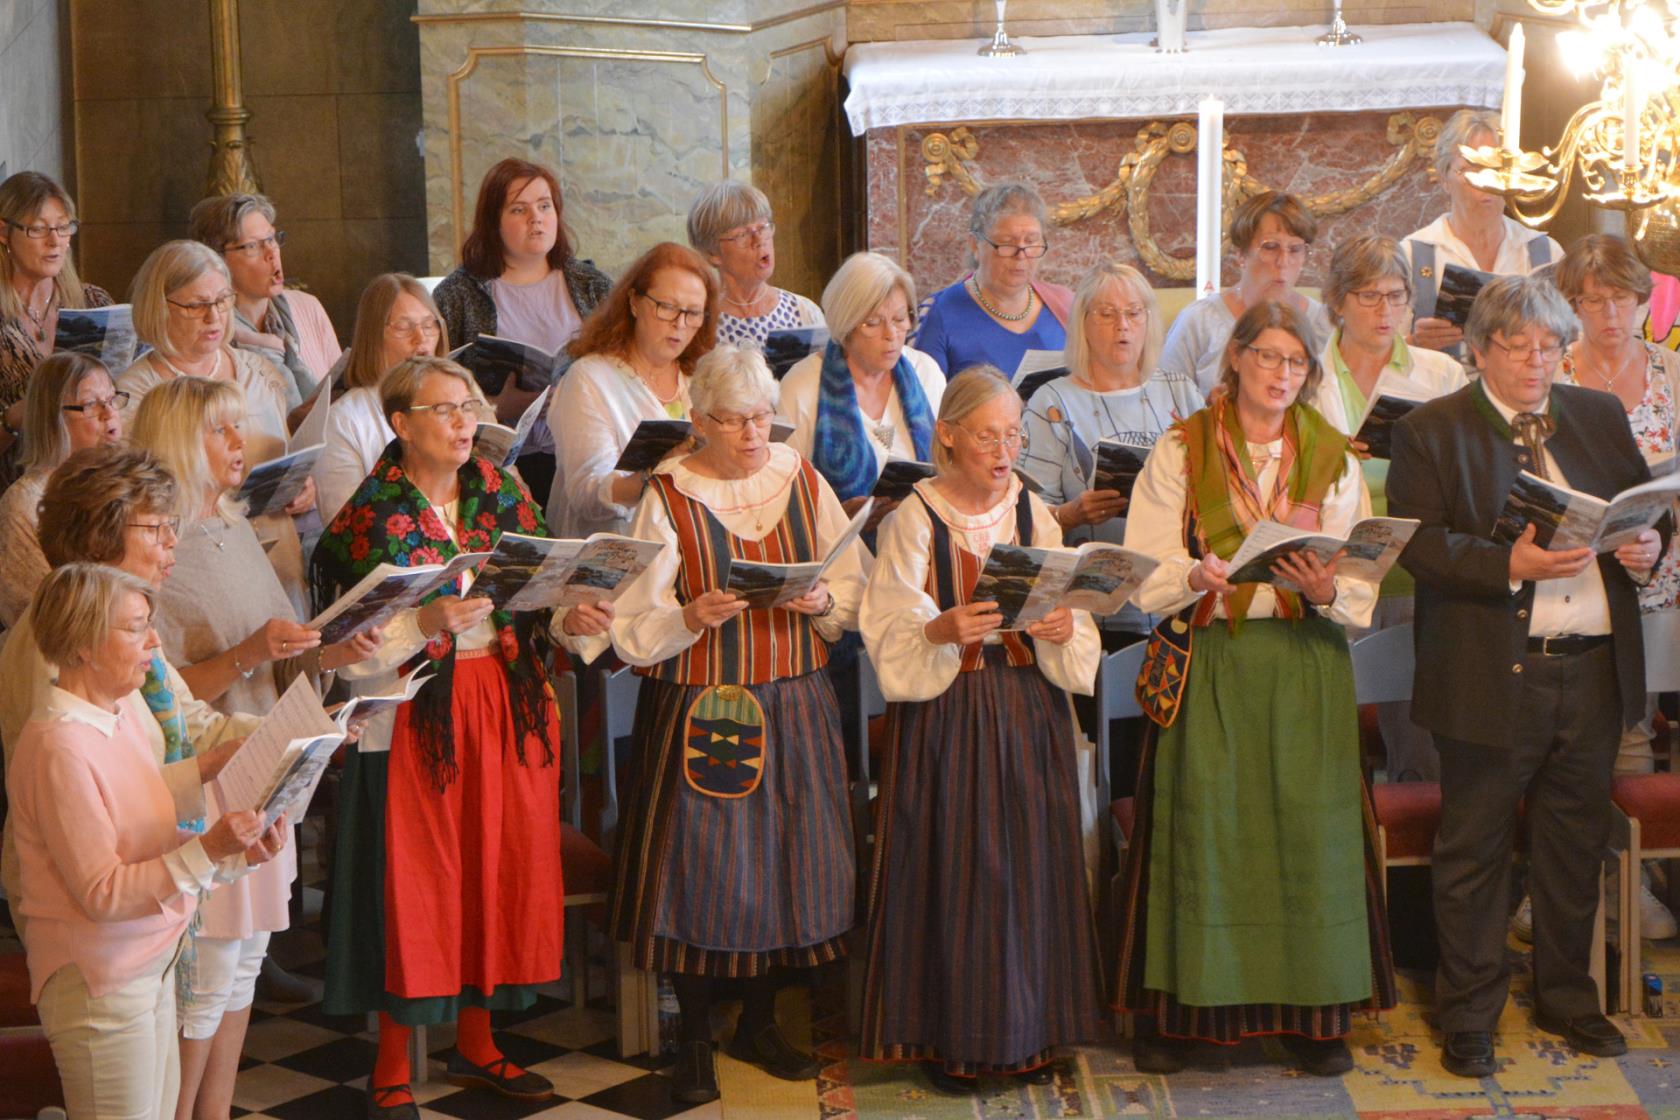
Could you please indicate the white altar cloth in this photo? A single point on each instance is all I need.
(1256, 70)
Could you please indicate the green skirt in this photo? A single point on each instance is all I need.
(1257, 846)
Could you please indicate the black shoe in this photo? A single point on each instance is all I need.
(1042, 1075)
(1321, 1057)
(694, 1081)
(1154, 1053)
(527, 1086)
(774, 1054)
(951, 1084)
(1469, 1054)
(1590, 1034)
(378, 1107)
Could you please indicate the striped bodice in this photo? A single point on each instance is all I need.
(756, 646)
(955, 570)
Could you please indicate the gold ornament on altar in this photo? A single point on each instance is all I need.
(1624, 145)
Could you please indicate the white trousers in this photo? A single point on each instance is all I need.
(221, 977)
(116, 1055)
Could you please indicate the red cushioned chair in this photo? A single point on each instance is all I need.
(1649, 808)
(28, 1078)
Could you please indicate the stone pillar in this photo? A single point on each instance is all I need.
(637, 104)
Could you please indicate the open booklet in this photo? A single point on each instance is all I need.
(536, 573)
(277, 767)
(1028, 583)
(654, 439)
(492, 360)
(1368, 551)
(383, 593)
(898, 477)
(1115, 465)
(786, 348)
(1392, 397)
(1035, 368)
(501, 444)
(764, 585)
(1565, 518)
(1458, 291)
(359, 709)
(272, 486)
(106, 333)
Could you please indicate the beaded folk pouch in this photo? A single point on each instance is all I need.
(723, 742)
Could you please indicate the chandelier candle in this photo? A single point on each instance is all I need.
(1510, 113)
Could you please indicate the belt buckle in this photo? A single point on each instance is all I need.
(1546, 645)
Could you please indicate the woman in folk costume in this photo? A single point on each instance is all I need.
(735, 855)
(1251, 815)
(981, 949)
(447, 898)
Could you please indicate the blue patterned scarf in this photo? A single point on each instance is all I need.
(841, 449)
(160, 701)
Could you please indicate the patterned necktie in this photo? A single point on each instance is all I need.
(1531, 429)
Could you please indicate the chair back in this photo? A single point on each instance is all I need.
(1382, 666)
(571, 762)
(618, 716)
(1116, 698)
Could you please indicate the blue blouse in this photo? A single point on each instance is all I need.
(954, 331)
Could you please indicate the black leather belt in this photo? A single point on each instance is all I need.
(1565, 645)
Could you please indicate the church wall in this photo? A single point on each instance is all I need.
(31, 87)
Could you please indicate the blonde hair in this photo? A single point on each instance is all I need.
(171, 267)
(1362, 261)
(857, 287)
(721, 207)
(967, 392)
(402, 384)
(1255, 322)
(46, 439)
(731, 376)
(1077, 352)
(171, 423)
(21, 198)
(74, 607)
(364, 365)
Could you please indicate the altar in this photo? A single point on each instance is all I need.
(1104, 127)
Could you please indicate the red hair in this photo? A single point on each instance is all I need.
(610, 327)
(482, 251)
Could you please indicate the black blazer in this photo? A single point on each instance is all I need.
(1451, 471)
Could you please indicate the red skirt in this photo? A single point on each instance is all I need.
(473, 893)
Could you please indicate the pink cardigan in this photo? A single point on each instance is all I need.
(93, 822)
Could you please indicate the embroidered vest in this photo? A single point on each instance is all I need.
(955, 570)
(756, 646)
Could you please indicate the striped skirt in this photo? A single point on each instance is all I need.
(731, 887)
(982, 945)
(1251, 815)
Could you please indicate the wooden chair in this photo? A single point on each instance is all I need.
(1648, 817)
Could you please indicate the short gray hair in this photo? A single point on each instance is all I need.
(1076, 353)
(731, 377)
(1002, 200)
(73, 608)
(216, 221)
(725, 205)
(1509, 304)
(1361, 262)
(170, 267)
(858, 286)
(1457, 132)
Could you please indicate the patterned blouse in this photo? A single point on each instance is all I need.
(1653, 423)
(791, 311)
(19, 353)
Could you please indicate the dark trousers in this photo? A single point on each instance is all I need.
(1558, 761)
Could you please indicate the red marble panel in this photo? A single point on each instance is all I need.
(1309, 154)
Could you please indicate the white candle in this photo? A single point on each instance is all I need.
(1510, 115)
(1210, 187)
(1630, 117)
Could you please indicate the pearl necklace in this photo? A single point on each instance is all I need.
(986, 304)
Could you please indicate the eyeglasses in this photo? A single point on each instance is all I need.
(1621, 301)
(1371, 297)
(877, 325)
(1013, 439)
(141, 632)
(172, 524)
(732, 424)
(254, 249)
(1032, 251)
(1527, 352)
(39, 230)
(447, 410)
(413, 328)
(203, 309)
(1295, 250)
(1108, 314)
(1268, 359)
(116, 402)
(671, 313)
(763, 231)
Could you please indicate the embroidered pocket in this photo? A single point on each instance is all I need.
(723, 742)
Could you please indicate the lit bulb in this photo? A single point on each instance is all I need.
(1576, 49)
